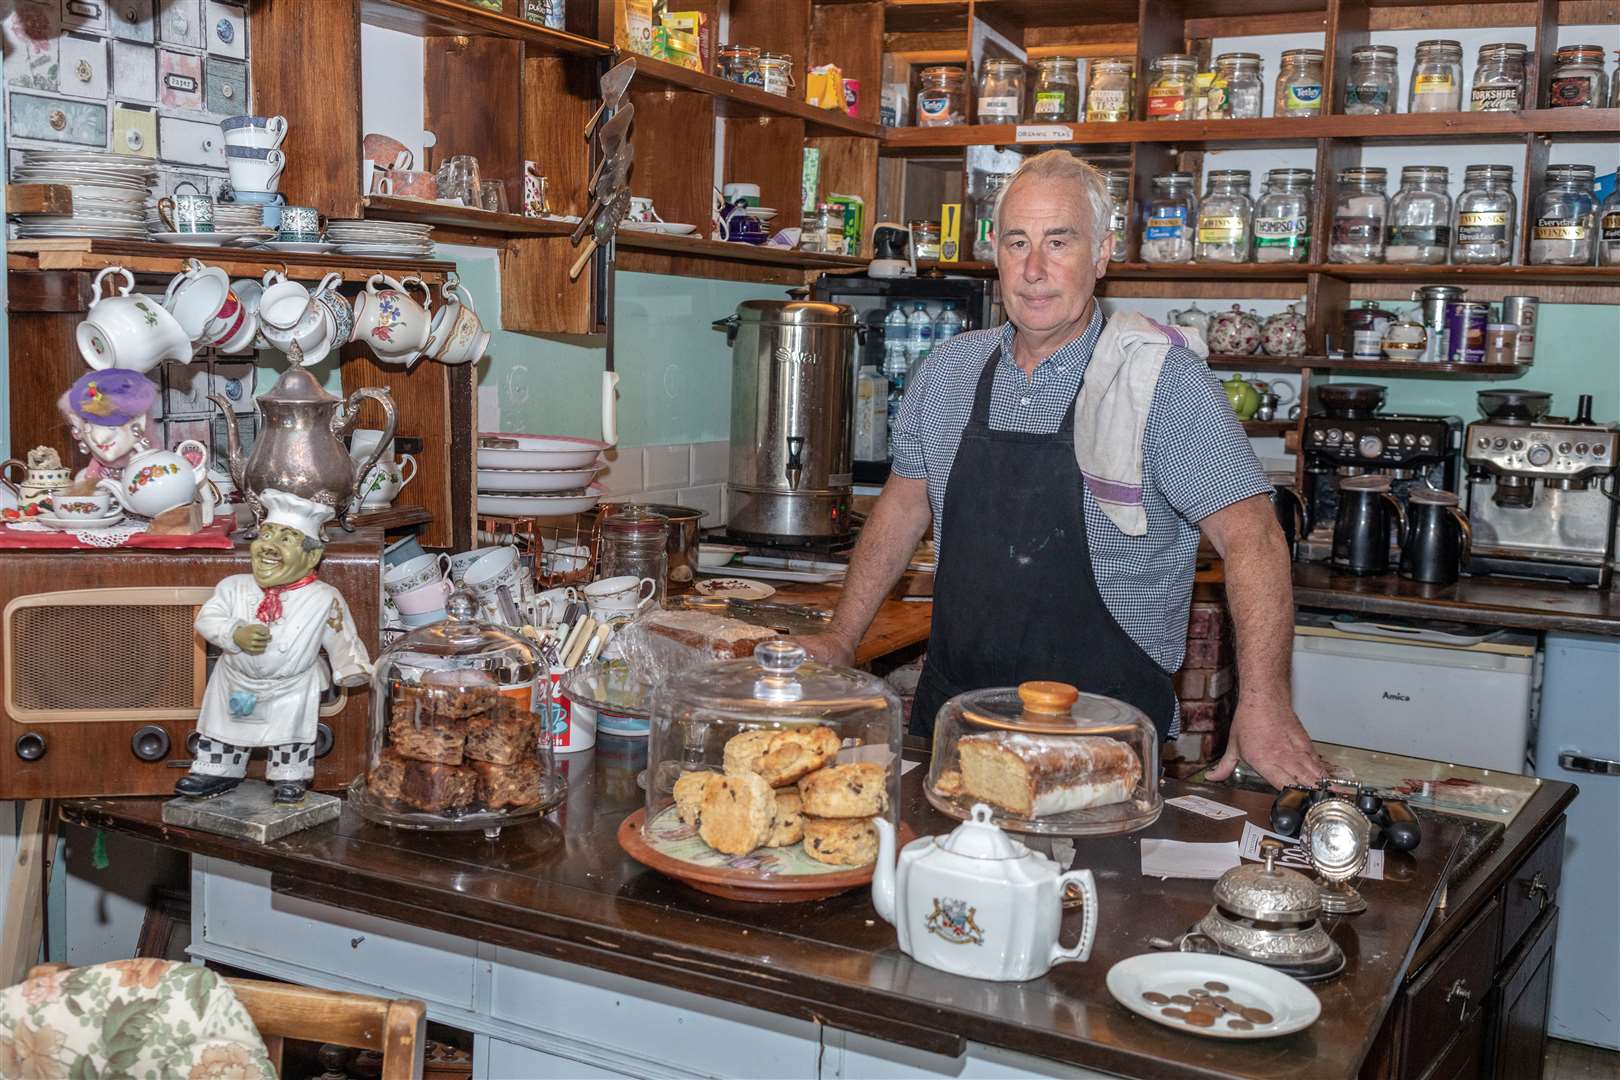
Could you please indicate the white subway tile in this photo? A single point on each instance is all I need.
(623, 474)
(711, 462)
(666, 466)
(661, 495)
(710, 498)
(489, 409)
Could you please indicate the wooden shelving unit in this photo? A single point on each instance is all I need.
(166, 260)
(735, 100)
(461, 218)
(1391, 368)
(443, 18)
(1275, 429)
(695, 256)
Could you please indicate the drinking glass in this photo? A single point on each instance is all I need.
(458, 179)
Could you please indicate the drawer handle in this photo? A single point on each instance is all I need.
(1459, 989)
(1574, 761)
(1538, 891)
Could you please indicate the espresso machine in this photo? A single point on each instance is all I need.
(1353, 438)
(1541, 489)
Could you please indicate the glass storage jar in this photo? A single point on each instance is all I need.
(1048, 760)
(740, 64)
(925, 239)
(1565, 218)
(1170, 91)
(731, 743)
(1119, 210)
(1359, 212)
(776, 73)
(1237, 90)
(1299, 84)
(1498, 78)
(1419, 229)
(984, 233)
(1609, 230)
(1614, 83)
(1436, 77)
(1001, 91)
(457, 740)
(942, 97)
(1282, 217)
(1171, 219)
(635, 543)
(1223, 218)
(1577, 78)
(1108, 95)
(1371, 88)
(1057, 90)
(1482, 230)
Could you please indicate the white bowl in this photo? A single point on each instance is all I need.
(714, 556)
(536, 481)
(539, 452)
(538, 505)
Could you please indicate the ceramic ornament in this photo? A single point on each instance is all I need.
(111, 412)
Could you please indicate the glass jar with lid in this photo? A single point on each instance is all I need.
(1237, 90)
(1170, 89)
(1419, 229)
(456, 737)
(1048, 759)
(1436, 77)
(1609, 230)
(1057, 90)
(1119, 210)
(765, 774)
(1108, 94)
(776, 73)
(924, 239)
(1577, 78)
(1482, 233)
(942, 97)
(635, 543)
(1001, 91)
(740, 64)
(1566, 218)
(984, 233)
(1299, 84)
(1223, 218)
(1360, 209)
(1171, 219)
(1371, 89)
(1282, 217)
(1498, 78)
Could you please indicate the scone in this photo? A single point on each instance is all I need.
(796, 753)
(854, 790)
(789, 826)
(742, 752)
(737, 813)
(841, 841)
(689, 795)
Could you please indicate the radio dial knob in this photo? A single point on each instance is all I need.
(1539, 454)
(150, 743)
(1370, 446)
(1600, 449)
(1517, 444)
(30, 746)
(1563, 448)
(1425, 441)
(1500, 443)
(1484, 442)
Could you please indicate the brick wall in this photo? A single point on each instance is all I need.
(1206, 687)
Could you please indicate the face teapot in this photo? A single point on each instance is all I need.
(979, 903)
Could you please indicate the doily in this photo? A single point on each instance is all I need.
(117, 536)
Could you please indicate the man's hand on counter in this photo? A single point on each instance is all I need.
(1272, 741)
(828, 648)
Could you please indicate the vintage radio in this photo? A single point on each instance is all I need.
(101, 673)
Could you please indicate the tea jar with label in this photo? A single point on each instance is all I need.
(1371, 88)
(1419, 228)
(460, 731)
(1108, 96)
(942, 97)
(1566, 218)
(1577, 78)
(1223, 218)
(1056, 99)
(1170, 93)
(1499, 78)
(1609, 230)
(1171, 219)
(740, 64)
(1360, 210)
(1299, 84)
(1436, 78)
(1119, 211)
(776, 73)
(1282, 217)
(1001, 91)
(1483, 228)
(1237, 89)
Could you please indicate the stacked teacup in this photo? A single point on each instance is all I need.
(417, 589)
(387, 478)
(255, 161)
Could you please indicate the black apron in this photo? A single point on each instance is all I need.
(1015, 598)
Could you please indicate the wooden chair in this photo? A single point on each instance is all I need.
(396, 1027)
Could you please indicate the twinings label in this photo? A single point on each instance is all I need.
(1611, 226)
(1482, 227)
(1107, 106)
(1166, 224)
(1439, 83)
(1494, 99)
(1167, 98)
(1281, 232)
(1553, 228)
(1226, 229)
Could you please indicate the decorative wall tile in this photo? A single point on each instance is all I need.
(180, 23)
(179, 80)
(666, 466)
(132, 20)
(709, 499)
(623, 474)
(711, 462)
(135, 130)
(134, 71)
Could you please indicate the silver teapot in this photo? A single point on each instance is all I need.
(299, 445)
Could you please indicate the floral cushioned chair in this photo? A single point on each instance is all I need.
(135, 1018)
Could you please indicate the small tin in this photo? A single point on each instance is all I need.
(1521, 311)
(1465, 331)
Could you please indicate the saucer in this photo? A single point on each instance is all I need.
(735, 588)
(187, 239)
(51, 521)
(295, 248)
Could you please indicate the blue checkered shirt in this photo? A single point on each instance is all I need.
(1195, 460)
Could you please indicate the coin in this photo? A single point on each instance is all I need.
(1225, 1003)
(1239, 1025)
(1255, 1016)
(1201, 1019)
(1181, 999)
(1218, 987)
(1174, 1014)
(1198, 992)
(1155, 998)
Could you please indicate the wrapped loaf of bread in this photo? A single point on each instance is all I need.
(1039, 775)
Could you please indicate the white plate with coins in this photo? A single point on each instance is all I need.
(1218, 996)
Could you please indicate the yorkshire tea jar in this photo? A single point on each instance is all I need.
(768, 772)
(457, 737)
(1048, 759)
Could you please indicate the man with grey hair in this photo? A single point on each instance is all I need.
(1036, 580)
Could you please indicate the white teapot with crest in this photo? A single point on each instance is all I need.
(979, 903)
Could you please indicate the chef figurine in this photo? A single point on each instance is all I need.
(110, 412)
(271, 626)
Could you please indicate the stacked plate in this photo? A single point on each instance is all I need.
(234, 224)
(109, 193)
(537, 475)
(382, 239)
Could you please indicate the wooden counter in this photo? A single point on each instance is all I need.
(562, 889)
(899, 624)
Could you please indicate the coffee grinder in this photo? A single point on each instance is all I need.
(1352, 438)
(1541, 489)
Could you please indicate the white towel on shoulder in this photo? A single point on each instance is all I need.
(1112, 411)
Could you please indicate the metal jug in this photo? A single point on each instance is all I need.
(299, 445)
(1437, 538)
(1293, 514)
(1361, 533)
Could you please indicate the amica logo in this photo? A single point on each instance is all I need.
(1390, 695)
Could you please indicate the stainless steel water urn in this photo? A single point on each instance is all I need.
(793, 369)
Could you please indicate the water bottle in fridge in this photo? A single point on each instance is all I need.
(948, 325)
(920, 340)
(896, 330)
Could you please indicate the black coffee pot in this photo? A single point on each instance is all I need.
(1293, 515)
(1437, 539)
(1361, 533)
